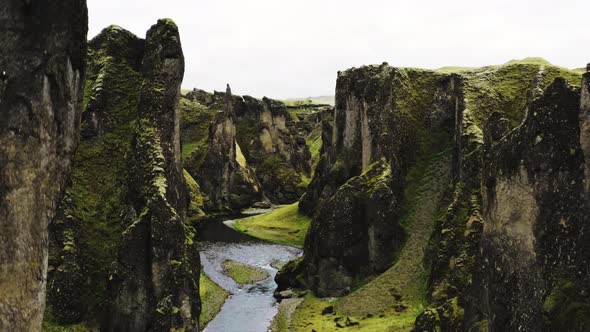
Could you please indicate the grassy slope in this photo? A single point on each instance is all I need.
(212, 299)
(244, 274)
(195, 119)
(314, 143)
(284, 225)
(505, 87)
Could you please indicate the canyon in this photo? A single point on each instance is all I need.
(453, 199)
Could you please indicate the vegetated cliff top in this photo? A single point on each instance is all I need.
(526, 61)
(506, 88)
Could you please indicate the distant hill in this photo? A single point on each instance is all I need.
(311, 100)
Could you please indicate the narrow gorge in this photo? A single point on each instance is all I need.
(424, 200)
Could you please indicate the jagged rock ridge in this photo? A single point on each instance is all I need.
(268, 142)
(122, 249)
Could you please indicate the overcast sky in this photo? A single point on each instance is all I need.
(294, 48)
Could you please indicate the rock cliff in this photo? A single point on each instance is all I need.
(42, 74)
(508, 247)
(535, 242)
(122, 252)
(220, 167)
(269, 158)
(383, 122)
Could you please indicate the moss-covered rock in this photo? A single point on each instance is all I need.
(123, 219)
(220, 167)
(270, 142)
(385, 118)
(499, 96)
(385, 112)
(534, 210)
(85, 235)
(291, 275)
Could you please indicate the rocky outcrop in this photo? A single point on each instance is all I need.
(79, 254)
(273, 145)
(511, 255)
(357, 193)
(41, 87)
(453, 254)
(156, 281)
(220, 167)
(268, 142)
(122, 251)
(535, 241)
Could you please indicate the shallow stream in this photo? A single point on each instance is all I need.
(249, 308)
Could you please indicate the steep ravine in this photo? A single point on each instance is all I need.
(426, 200)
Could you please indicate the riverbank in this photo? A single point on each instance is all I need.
(212, 299)
(284, 225)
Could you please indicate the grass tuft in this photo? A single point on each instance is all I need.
(244, 274)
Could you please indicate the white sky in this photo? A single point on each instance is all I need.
(294, 48)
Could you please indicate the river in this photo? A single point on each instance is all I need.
(249, 308)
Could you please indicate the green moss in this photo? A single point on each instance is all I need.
(50, 324)
(247, 130)
(195, 119)
(314, 143)
(212, 299)
(96, 196)
(505, 88)
(244, 274)
(197, 201)
(282, 319)
(567, 308)
(284, 225)
(405, 282)
(294, 116)
(276, 173)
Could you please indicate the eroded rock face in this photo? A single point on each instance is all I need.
(42, 73)
(79, 254)
(274, 147)
(535, 240)
(357, 192)
(221, 169)
(270, 141)
(122, 254)
(156, 282)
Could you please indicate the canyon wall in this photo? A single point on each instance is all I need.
(508, 250)
(42, 72)
(220, 167)
(271, 160)
(535, 252)
(381, 128)
(123, 255)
